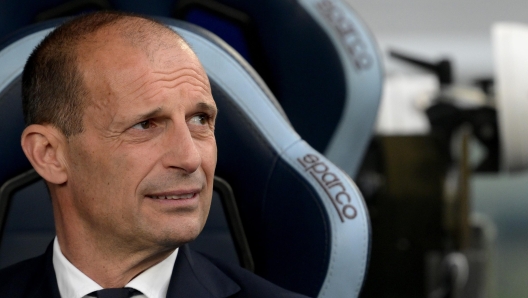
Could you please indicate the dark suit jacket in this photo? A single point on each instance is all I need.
(193, 276)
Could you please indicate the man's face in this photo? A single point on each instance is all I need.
(141, 172)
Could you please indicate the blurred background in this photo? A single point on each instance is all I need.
(460, 30)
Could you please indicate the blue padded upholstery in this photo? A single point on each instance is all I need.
(305, 220)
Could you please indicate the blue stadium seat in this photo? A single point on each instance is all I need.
(304, 220)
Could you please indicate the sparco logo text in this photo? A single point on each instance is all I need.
(332, 185)
(348, 34)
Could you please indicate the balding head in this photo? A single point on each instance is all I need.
(53, 86)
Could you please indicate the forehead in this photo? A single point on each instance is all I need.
(118, 46)
(111, 58)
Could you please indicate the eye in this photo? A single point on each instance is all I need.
(143, 125)
(201, 119)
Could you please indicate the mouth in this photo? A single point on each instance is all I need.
(184, 196)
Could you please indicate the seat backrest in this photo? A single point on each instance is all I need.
(305, 221)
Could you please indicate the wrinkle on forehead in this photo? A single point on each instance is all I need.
(142, 80)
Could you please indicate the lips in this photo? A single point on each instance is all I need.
(173, 197)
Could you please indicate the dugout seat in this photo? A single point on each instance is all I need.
(303, 220)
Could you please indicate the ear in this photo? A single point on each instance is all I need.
(44, 147)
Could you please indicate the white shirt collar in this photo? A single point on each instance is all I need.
(153, 282)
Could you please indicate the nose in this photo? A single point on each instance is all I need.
(182, 151)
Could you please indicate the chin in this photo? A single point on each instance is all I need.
(173, 242)
(178, 236)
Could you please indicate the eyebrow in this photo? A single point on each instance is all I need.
(202, 106)
(207, 107)
(152, 114)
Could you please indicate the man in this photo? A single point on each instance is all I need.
(120, 124)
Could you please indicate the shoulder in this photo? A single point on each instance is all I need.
(30, 278)
(251, 285)
(17, 279)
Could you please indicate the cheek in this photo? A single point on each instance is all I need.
(208, 154)
(102, 173)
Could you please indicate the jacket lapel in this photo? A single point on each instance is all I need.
(195, 276)
(45, 285)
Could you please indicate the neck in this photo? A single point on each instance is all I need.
(109, 270)
(107, 262)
